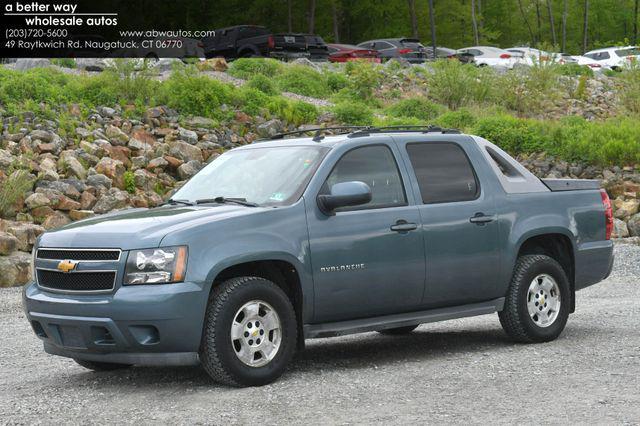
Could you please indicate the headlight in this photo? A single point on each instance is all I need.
(33, 263)
(156, 266)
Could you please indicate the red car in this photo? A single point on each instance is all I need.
(348, 52)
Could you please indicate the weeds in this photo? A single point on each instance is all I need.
(12, 190)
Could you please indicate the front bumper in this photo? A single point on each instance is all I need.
(146, 324)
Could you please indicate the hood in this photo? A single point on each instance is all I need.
(138, 228)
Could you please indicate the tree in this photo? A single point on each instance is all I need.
(432, 19)
(336, 21)
(553, 27)
(414, 18)
(564, 26)
(585, 25)
(312, 16)
(635, 22)
(474, 22)
(290, 16)
(526, 21)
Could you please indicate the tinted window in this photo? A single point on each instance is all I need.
(443, 171)
(375, 166)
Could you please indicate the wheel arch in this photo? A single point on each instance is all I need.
(557, 244)
(282, 269)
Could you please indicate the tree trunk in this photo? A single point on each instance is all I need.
(539, 20)
(414, 18)
(564, 26)
(432, 20)
(290, 16)
(635, 23)
(474, 22)
(336, 22)
(481, 15)
(585, 26)
(526, 21)
(552, 24)
(312, 16)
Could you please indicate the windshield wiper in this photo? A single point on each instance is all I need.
(224, 200)
(173, 202)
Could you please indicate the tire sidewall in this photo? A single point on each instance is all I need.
(550, 267)
(263, 290)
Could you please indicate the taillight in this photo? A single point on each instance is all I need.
(271, 43)
(404, 51)
(608, 213)
(505, 56)
(595, 65)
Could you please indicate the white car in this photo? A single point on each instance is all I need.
(614, 58)
(490, 56)
(530, 56)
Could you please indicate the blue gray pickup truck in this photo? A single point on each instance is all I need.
(377, 229)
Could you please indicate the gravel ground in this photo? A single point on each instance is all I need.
(456, 371)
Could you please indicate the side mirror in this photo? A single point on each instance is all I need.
(344, 194)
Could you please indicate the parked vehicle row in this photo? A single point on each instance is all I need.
(243, 41)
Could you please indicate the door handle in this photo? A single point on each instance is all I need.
(480, 219)
(403, 226)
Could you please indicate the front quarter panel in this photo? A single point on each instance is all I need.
(273, 234)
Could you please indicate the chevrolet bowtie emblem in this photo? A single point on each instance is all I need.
(67, 265)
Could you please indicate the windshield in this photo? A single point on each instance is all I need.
(274, 176)
(632, 51)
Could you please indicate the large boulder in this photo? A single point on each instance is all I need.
(24, 64)
(186, 152)
(8, 243)
(625, 208)
(26, 233)
(634, 225)
(189, 169)
(114, 199)
(113, 169)
(15, 269)
(56, 220)
(620, 229)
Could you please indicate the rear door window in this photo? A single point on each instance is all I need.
(443, 171)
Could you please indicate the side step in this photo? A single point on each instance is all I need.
(340, 328)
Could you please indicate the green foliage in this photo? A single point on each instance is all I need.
(581, 87)
(295, 112)
(455, 84)
(132, 80)
(574, 69)
(630, 93)
(129, 182)
(263, 84)
(303, 80)
(531, 89)
(12, 189)
(420, 108)
(363, 78)
(459, 119)
(353, 113)
(195, 94)
(64, 62)
(248, 67)
(336, 81)
(513, 134)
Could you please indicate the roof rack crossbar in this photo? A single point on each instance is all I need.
(318, 132)
(357, 131)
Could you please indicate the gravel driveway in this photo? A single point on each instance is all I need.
(456, 371)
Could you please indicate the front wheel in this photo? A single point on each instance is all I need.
(250, 332)
(537, 305)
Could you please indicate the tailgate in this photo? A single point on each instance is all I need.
(571, 184)
(291, 42)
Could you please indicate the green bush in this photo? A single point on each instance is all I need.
(295, 112)
(129, 182)
(64, 62)
(12, 189)
(574, 69)
(263, 84)
(514, 135)
(529, 90)
(363, 78)
(420, 108)
(459, 119)
(195, 94)
(630, 94)
(353, 113)
(456, 84)
(336, 81)
(303, 80)
(248, 67)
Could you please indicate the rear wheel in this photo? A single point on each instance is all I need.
(100, 366)
(398, 330)
(537, 304)
(249, 333)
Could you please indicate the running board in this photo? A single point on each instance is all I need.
(332, 329)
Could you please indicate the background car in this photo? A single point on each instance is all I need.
(409, 49)
(530, 56)
(349, 52)
(248, 41)
(614, 58)
(490, 56)
(317, 48)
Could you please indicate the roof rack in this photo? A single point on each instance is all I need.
(318, 132)
(358, 131)
(401, 128)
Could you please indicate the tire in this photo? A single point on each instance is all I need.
(100, 366)
(236, 361)
(519, 317)
(398, 331)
